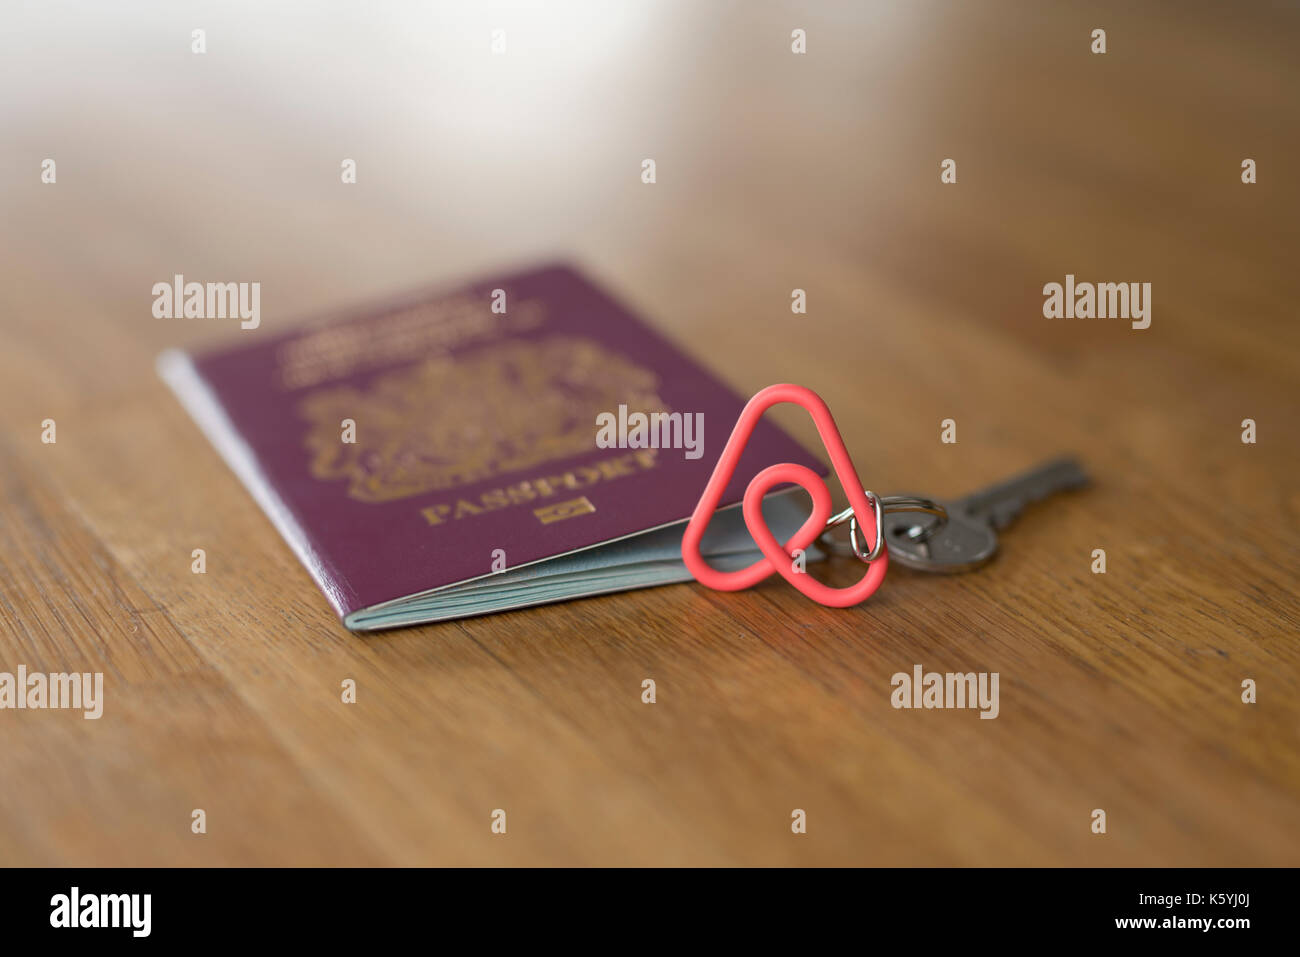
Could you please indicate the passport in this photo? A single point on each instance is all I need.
(437, 456)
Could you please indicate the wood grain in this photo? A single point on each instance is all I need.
(1119, 691)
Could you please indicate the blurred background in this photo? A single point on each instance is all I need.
(775, 171)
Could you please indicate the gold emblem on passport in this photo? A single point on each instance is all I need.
(448, 422)
(562, 510)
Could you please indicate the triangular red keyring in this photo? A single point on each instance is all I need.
(776, 556)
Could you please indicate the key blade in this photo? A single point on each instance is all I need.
(969, 538)
(1001, 504)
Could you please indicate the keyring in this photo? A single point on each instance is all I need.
(967, 544)
(777, 557)
(883, 506)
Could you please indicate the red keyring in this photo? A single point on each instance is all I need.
(778, 557)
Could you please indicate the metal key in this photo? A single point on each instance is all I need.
(969, 537)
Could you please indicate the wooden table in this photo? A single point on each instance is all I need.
(1120, 691)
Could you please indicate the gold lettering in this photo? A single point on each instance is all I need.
(434, 514)
(466, 508)
(562, 510)
(553, 483)
(546, 486)
(523, 492)
(613, 468)
(497, 498)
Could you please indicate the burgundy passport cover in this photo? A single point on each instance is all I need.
(474, 431)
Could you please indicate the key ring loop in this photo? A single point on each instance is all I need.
(880, 530)
(881, 505)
